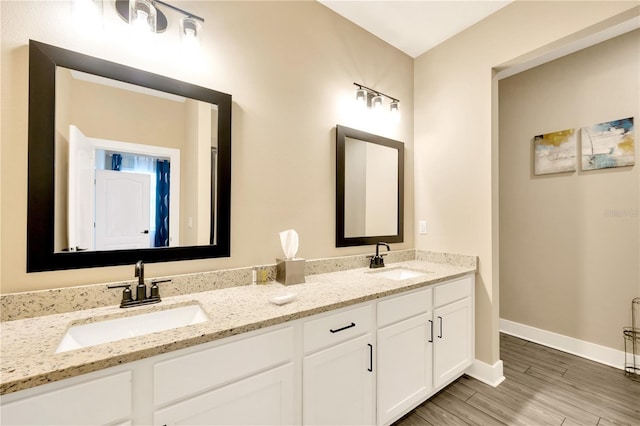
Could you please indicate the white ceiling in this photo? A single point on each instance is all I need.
(415, 26)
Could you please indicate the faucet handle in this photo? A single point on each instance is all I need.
(155, 290)
(126, 293)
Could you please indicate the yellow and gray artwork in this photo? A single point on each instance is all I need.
(609, 144)
(555, 152)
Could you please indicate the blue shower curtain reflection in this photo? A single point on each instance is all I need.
(116, 162)
(162, 203)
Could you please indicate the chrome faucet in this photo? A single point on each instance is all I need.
(377, 261)
(141, 290)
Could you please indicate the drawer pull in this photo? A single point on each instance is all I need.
(353, 324)
(431, 326)
(440, 335)
(370, 357)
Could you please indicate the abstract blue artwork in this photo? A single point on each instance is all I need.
(609, 144)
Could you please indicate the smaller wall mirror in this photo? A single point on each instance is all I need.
(369, 188)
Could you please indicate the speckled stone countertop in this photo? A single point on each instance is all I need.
(28, 357)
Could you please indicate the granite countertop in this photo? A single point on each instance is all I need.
(28, 357)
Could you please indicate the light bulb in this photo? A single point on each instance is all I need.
(140, 20)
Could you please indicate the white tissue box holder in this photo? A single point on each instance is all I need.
(290, 271)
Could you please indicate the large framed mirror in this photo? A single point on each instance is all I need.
(124, 165)
(369, 188)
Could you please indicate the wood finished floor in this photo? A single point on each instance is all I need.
(542, 386)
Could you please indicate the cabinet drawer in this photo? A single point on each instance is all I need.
(452, 291)
(106, 400)
(210, 368)
(402, 307)
(336, 328)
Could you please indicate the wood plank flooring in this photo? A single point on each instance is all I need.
(542, 386)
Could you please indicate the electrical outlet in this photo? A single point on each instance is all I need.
(422, 226)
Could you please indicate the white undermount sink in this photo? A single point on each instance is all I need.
(398, 274)
(110, 330)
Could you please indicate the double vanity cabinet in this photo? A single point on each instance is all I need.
(367, 363)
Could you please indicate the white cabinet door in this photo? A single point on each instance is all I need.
(101, 401)
(338, 384)
(453, 350)
(404, 366)
(262, 399)
(207, 368)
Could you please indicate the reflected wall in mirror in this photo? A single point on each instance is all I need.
(369, 188)
(124, 165)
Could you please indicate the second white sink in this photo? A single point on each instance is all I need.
(398, 274)
(85, 335)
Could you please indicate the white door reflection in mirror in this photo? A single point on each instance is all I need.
(371, 189)
(110, 212)
(122, 210)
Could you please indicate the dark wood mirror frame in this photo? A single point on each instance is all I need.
(43, 60)
(342, 133)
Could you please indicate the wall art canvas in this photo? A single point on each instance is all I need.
(555, 152)
(609, 144)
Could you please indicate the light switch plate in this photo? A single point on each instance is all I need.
(422, 226)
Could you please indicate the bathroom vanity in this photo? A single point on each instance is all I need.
(356, 347)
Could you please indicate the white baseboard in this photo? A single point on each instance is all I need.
(581, 348)
(489, 374)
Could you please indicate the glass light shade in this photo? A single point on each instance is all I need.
(376, 102)
(394, 107)
(143, 15)
(189, 31)
(361, 97)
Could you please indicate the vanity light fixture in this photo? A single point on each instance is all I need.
(146, 14)
(374, 99)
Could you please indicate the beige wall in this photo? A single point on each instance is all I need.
(106, 112)
(569, 246)
(289, 67)
(455, 138)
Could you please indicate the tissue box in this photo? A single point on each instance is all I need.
(290, 271)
